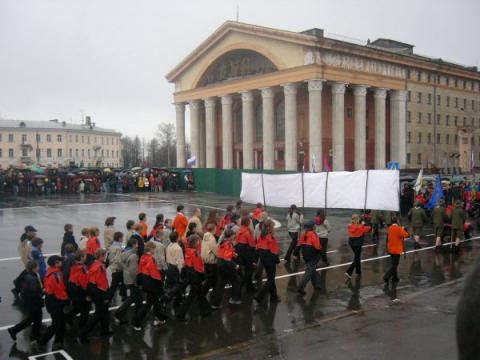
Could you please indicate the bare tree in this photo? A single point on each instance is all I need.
(166, 134)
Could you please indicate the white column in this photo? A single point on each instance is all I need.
(194, 130)
(379, 96)
(290, 92)
(227, 132)
(201, 137)
(180, 133)
(338, 125)
(360, 114)
(398, 127)
(247, 113)
(315, 122)
(210, 132)
(268, 128)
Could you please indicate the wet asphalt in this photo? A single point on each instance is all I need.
(341, 321)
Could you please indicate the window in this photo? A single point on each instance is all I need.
(447, 139)
(37, 153)
(24, 151)
(76, 153)
(465, 141)
(95, 140)
(103, 139)
(456, 82)
(409, 158)
(409, 116)
(429, 98)
(456, 102)
(0, 136)
(24, 138)
(438, 99)
(409, 137)
(438, 119)
(464, 121)
(49, 138)
(279, 155)
(59, 153)
(456, 120)
(38, 138)
(88, 153)
(473, 105)
(59, 138)
(238, 124)
(103, 153)
(447, 120)
(419, 158)
(88, 139)
(419, 138)
(83, 139)
(83, 153)
(429, 117)
(108, 153)
(408, 73)
(10, 153)
(464, 104)
(438, 138)
(409, 96)
(429, 138)
(456, 139)
(448, 101)
(70, 138)
(49, 153)
(419, 97)
(259, 123)
(1, 153)
(76, 138)
(419, 117)
(429, 77)
(70, 153)
(280, 121)
(10, 137)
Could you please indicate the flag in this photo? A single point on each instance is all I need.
(437, 194)
(314, 164)
(472, 162)
(192, 162)
(326, 166)
(418, 183)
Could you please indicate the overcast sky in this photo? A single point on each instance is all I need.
(110, 57)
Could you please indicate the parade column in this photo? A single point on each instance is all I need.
(360, 96)
(227, 132)
(247, 112)
(180, 132)
(338, 125)
(379, 96)
(315, 122)
(290, 91)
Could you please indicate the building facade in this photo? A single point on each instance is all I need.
(273, 99)
(58, 143)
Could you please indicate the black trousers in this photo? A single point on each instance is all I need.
(310, 274)
(82, 307)
(100, 315)
(293, 245)
(210, 278)
(174, 284)
(56, 328)
(195, 280)
(226, 275)
(33, 318)
(153, 297)
(117, 283)
(356, 264)
(375, 232)
(392, 272)
(324, 243)
(133, 297)
(270, 267)
(246, 255)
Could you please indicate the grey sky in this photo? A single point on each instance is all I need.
(110, 57)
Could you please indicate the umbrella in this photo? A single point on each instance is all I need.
(137, 168)
(458, 179)
(36, 169)
(107, 170)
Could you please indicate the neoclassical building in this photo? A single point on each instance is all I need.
(266, 98)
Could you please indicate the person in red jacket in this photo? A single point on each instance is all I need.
(395, 240)
(93, 244)
(180, 223)
(227, 271)
(245, 249)
(356, 233)
(257, 213)
(142, 219)
(77, 290)
(150, 281)
(56, 299)
(267, 249)
(194, 275)
(311, 248)
(97, 290)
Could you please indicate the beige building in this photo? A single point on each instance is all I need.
(58, 143)
(266, 98)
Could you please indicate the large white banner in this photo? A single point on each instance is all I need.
(372, 189)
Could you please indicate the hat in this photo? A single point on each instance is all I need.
(30, 228)
(309, 224)
(53, 259)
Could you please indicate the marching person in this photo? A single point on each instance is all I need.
(227, 272)
(24, 250)
(142, 219)
(37, 255)
(418, 218)
(175, 263)
(56, 299)
(68, 238)
(245, 248)
(32, 297)
(150, 281)
(137, 236)
(82, 243)
(439, 216)
(108, 232)
(129, 232)
(322, 229)
(209, 257)
(267, 249)
(376, 221)
(115, 264)
(257, 213)
(396, 237)
(77, 290)
(98, 291)
(458, 222)
(159, 253)
(294, 225)
(197, 219)
(311, 250)
(157, 226)
(180, 222)
(93, 244)
(356, 233)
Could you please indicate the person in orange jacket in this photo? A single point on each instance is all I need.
(56, 299)
(395, 247)
(194, 275)
(150, 281)
(356, 233)
(267, 249)
(245, 249)
(311, 248)
(142, 219)
(180, 222)
(257, 213)
(77, 289)
(93, 244)
(97, 289)
(227, 271)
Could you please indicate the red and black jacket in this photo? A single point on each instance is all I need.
(310, 245)
(193, 258)
(149, 276)
(56, 296)
(77, 282)
(267, 247)
(226, 255)
(97, 280)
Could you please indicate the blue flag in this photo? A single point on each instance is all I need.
(437, 194)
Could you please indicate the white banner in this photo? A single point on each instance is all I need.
(375, 189)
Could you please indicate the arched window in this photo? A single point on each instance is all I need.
(259, 123)
(238, 125)
(280, 121)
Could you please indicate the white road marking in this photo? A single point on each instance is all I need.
(61, 352)
(3, 328)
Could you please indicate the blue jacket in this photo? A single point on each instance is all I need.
(38, 257)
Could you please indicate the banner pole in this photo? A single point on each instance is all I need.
(263, 191)
(326, 188)
(366, 191)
